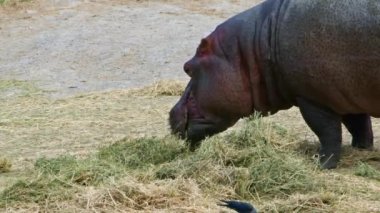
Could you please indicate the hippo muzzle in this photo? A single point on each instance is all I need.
(189, 122)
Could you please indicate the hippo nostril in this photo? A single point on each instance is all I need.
(187, 70)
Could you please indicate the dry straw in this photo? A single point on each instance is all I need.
(123, 161)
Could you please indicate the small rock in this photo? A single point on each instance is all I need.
(30, 12)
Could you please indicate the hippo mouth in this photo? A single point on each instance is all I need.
(187, 120)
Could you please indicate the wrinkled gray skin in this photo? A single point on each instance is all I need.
(320, 55)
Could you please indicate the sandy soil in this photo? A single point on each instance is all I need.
(73, 46)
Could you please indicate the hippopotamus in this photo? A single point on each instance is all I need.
(322, 56)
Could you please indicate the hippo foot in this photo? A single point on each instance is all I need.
(328, 161)
(360, 127)
(363, 144)
(193, 145)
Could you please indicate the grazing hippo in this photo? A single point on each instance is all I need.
(320, 55)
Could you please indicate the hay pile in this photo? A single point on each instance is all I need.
(131, 169)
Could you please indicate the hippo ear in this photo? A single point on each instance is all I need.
(204, 47)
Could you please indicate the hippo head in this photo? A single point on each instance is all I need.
(218, 93)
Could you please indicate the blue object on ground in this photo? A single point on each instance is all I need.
(240, 207)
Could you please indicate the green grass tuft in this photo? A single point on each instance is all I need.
(143, 152)
(12, 2)
(88, 171)
(5, 165)
(15, 88)
(56, 165)
(248, 161)
(36, 191)
(366, 170)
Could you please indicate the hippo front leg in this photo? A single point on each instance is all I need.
(360, 127)
(326, 124)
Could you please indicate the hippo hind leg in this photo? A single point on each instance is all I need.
(327, 125)
(360, 127)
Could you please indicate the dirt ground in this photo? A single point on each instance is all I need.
(73, 47)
